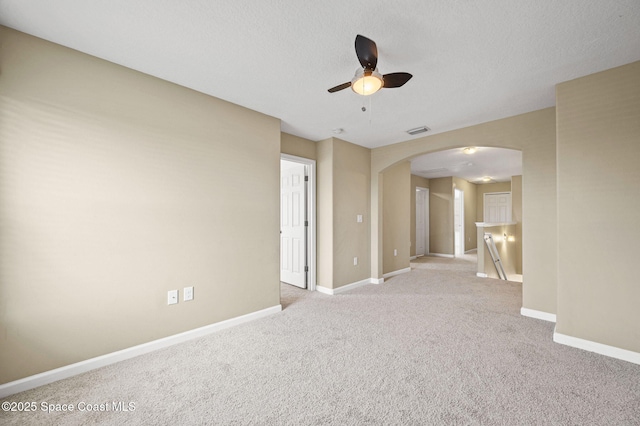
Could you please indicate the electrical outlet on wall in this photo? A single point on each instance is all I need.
(355, 261)
(187, 293)
(395, 252)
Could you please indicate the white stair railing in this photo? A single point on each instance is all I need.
(495, 256)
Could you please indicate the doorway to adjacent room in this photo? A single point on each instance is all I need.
(297, 221)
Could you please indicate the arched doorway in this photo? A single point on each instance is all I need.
(533, 134)
(458, 178)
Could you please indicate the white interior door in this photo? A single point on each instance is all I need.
(497, 207)
(458, 221)
(422, 221)
(293, 256)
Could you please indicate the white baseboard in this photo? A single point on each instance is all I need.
(598, 348)
(481, 275)
(398, 272)
(333, 291)
(475, 250)
(450, 256)
(134, 351)
(324, 290)
(532, 313)
(413, 257)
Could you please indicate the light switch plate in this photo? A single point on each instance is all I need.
(172, 297)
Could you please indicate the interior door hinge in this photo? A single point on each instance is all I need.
(306, 223)
(306, 269)
(306, 178)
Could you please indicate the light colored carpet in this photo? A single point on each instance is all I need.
(433, 346)
(465, 262)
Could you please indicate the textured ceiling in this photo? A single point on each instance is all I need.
(495, 163)
(472, 61)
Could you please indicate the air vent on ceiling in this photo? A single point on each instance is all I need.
(418, 130)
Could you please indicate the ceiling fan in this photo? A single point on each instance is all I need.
(368, 80)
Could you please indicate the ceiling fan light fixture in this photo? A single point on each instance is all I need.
(470, 150)
(366, 82)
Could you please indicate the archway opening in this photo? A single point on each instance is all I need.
(485, 170)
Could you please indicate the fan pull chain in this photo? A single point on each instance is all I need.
(364, 108)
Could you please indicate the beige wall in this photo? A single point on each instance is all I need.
(441, 216)
(470, 240)
(484, 188)
(416, 181)
(324, 213)
(539, 230)
(598, 204)
(116, 187)
(532, 133)
(516, 204)
(352, 174)
(300, 147)
(396, 217)
(343, 194)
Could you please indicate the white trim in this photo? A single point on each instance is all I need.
(398, 272)
(490, 225)
(599, 348)
(334, 291)
(311, 207)
(473, 250)
(450, 256)
(377, 280)
(425, 212)
(481, 275)
(325, 290)
(532, 313)
(121, 355)
(415, 257)
(516, 278)
(461, 218)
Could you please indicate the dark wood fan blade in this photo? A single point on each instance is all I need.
(395, 79)
(367, 52)
(340, 87)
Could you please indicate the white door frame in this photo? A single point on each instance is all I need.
(461, 236)
(311, 211)
(425, 212)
